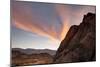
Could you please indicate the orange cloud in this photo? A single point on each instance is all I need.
(25, 20)
(62, 12)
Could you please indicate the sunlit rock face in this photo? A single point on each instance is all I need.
(79, 43)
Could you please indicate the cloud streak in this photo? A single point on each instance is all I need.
(23, 18)
(28, 18)
(62, 13)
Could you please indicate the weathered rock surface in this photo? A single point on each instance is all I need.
(79, 44)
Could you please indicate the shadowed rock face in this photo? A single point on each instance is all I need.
(79, 43)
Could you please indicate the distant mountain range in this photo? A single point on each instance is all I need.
(22, 57)
(34, 51)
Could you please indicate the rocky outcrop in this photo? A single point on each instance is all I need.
(79, 43)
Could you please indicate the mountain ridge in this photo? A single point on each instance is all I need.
(34, 51)
(79, 42)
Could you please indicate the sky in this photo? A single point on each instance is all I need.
(40, 25)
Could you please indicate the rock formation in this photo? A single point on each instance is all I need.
(79, 44)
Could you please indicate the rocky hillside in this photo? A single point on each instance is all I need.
(20, 58)
(79, 44)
